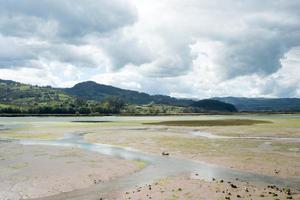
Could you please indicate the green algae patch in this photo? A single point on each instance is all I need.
(18, 166)
(221, 122)
(140, 164)
(29, 136)
(107, 123)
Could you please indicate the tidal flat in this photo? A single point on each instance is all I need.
(119, 157)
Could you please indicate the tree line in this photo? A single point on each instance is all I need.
(111, 105)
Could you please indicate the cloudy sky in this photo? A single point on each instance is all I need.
(190, 48)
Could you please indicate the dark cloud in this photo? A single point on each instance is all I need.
(39, 30)
(66, 18)
(211, 46)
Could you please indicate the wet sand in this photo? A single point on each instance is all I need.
(269, 157)
(36, 171)
(185, 188)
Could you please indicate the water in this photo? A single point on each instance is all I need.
(212, 136)
(157, 167)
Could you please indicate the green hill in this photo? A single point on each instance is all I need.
(93, 91)
(93, 98)
(213, 105)
(18, 94)
(23, 98)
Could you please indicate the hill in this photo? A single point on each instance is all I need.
(18, 98)
(18, 94)
(263, 104)
(214, 105)
(93, 98)
(84, 98)
(98, 92)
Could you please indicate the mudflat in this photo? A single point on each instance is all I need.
(36, 171)
(266, 145)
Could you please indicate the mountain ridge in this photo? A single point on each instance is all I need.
(90, 94)
(98, 92)
(262, 104)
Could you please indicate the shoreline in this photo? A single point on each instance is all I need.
(142, 115)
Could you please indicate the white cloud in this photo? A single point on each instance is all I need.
(192, 48)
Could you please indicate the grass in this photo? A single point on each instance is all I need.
(221, 122)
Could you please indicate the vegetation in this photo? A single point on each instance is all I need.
(221, 122)
(98, 92)
(153, 109)
(213, 105)
(263, 104)
(17, 98)
(90, 98)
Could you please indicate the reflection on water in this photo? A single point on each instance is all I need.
(161, 167)
(8, 126)
(212, 136)
(209, 135)
(157, 166)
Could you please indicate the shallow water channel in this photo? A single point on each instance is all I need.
(157, 167)
(213, 136)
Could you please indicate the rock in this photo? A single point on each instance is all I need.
(165, 153)
(289, 197)
(233, 186)
(238, 196)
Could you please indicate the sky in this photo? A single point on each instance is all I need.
(186, 49)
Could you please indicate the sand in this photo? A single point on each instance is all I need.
(37, 171)
(185, 188)
(274, 158)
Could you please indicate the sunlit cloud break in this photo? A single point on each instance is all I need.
(192, 48)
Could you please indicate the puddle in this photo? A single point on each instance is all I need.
(212, 136)
(158, 167)
(209, 135)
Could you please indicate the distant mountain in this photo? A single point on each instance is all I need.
(214, 105)
(263, 104)
(98, 92)
(92, 98)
